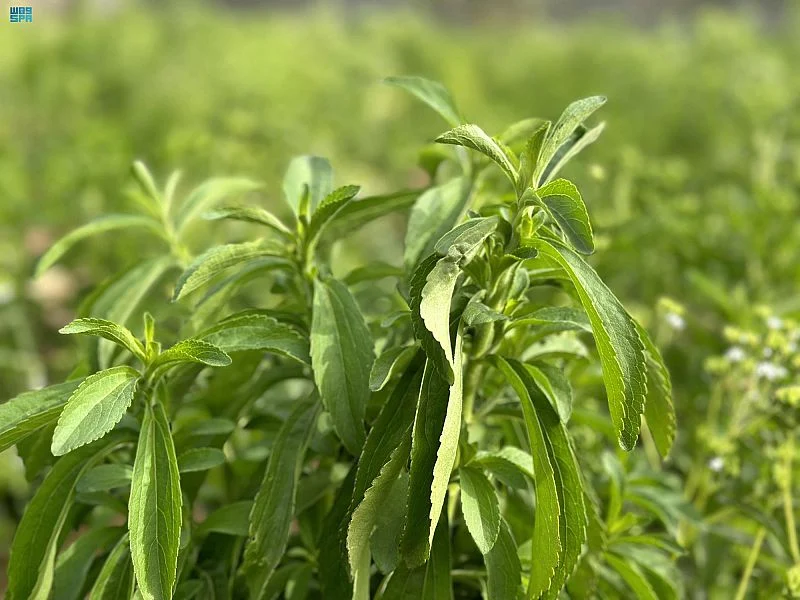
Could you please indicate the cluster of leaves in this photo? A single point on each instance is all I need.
(364, 440)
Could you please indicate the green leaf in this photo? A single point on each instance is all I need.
(200, 459)
(309, 177)
(154, 515)
(554, 319)
(209, 193)
(104, 478)
(342, 355)
(477, 313)
(385, 540)
(192, 351)
(658, 409)
(563, 202)
(480, 507)
(529, 162)
(365, 516)
(109, 330)
(434, 213)
(551, 446)
(250, 214)
(432, 93)
(573, 115)
(115, 580)
(373, 272)
(273, 509)
(145, 180)
(433, 349)
(436, 432)
(511, 465)
(555, 387)
(334, 578)
(33, 551)
(547, 545)
(74, 563)
(254, 331)
(101, 225)
(618, 343)
(31, 411)
(328, 209)
(579, 139)
(390, 363)
(503, 569)
(214, 261)
(94, 408)
(472, 136)
(633, 576)
(440, 282)
(361, 211)
(231, 519)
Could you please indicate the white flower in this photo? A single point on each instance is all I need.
(735, 354)
(716, 464)
(774, 322)
(675, 321)
(770, 371)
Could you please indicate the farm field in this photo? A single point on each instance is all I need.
(367, 304)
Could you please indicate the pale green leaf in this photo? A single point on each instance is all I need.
(434, 213)
(104, 478)
(480, 507)
(73, 564)
(154, 516)
(100, 225)
(209, 193)
(361, 211)
(388, 364)
(373, 272)
(231, 519)
(200, 459)
(385, 540)
(621, 349)
(249, 214)
(342, 355)
(658, 409)
(554, 319)
(580, 139)
(563, 202)
(573, 115)
(31, 411)
(477, 313)
(145, 180)
(432, 93)
(274, 505)
(33, 551)
(309, 178)
(365, 516)
(192, 351)
(94, 408)
(115, 580)
(109, 330)
(255, 331)
(472, 136)
(211, 263)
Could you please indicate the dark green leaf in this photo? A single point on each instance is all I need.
(104, 478)
(328, 210)
(480, 507)
(192, 351)
(74, 563)
(390, 363)
(200, 459)
(254, 331)
(231, 519)
(563, 202)
(658, 410)
(115, 580)
(503, 569)
(108, 330)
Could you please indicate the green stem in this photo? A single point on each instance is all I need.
(472, 382)
(788, 507)
(751, 563)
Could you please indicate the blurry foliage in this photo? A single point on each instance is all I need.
(694, 191)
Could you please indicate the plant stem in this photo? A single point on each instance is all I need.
(751, 563)
(472, 382)
(788, 506)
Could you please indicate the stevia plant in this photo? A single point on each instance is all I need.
(388, 432)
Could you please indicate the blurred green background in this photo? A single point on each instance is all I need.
(694, 187)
